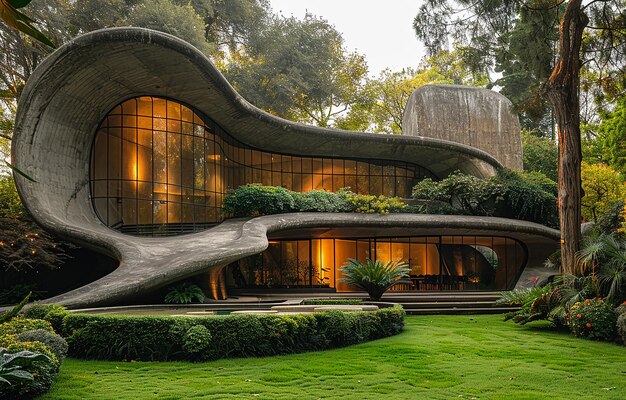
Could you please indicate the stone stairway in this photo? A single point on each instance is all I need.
(425, 303)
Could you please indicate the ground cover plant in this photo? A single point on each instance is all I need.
(435, 357)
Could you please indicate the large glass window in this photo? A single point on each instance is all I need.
(158, 168)
(436, 262)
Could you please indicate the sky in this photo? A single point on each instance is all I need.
(384, 34)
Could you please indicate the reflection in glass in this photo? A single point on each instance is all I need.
(157, 168)
(436, 262)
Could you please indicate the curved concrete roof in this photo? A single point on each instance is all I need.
(73, 89)
(149, 263)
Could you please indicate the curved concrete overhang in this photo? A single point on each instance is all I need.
(147, 264)
(73, 89)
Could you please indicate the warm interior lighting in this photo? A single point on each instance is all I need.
(213, 157)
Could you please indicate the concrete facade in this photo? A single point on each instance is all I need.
(476, 117)
(73, 89)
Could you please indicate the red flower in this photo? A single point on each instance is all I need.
(588, 325)
(587, 301)
(579, 316)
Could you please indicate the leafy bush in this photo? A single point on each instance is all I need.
(621, 327)
(114, 337)
(20, 325)
(52, 313)
(511, 194)
(592, 319)
(321, 201)
(528, 196)
(604, 256)
(468, 194)
(538, 303)
(621, 309)
(254, 199)
(197, 339)
(14, 369)
(43, 370)
(375, 277)
(184, 293)
(370, 204)
(56, 344)
(322, 302)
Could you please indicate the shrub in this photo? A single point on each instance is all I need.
(39, 310)
(528, 196)
(56, 344)
(592, 319)
(197, 339)
(621, 327)
(52, 313)
(184, 293)
(621, 309)
(370, 204)
(114, 337)
(20, 325)
(375, 277)
(512, 194)
(43, 371)
(321, 201)
(468, 194)
(255, 199)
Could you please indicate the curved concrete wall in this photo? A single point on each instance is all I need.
(72, 90)
(476, 117)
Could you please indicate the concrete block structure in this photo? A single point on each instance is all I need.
(476, 117)
(133, 138)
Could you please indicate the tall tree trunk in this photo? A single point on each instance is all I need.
(563, 91)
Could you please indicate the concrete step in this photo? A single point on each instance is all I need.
(475, 310)
(441, 299)
(448, 304)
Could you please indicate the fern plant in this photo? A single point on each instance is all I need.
(374, 277)
(184, 293)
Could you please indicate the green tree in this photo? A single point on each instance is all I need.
(179, 20)
(540, 154)
(612, 136)
(383, 101)
(299, 70)
(485, 26)
(392, 91)
(603, 186)
(455, 67)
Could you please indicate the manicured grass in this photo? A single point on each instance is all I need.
(436, 357)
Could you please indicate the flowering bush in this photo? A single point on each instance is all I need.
(593, 319)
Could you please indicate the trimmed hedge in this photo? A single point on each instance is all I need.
(114, 337)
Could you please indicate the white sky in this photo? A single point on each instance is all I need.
(383, 32)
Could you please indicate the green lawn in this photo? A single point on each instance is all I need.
(436, 357)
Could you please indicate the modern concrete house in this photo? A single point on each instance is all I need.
(133, 138)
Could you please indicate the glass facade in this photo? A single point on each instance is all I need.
(436, 262)
(158, 168)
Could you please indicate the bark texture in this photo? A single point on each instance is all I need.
(563, 91)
